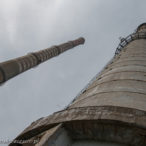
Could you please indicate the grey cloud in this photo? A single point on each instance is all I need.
(39, 24)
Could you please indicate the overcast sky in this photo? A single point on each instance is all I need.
(31, 25)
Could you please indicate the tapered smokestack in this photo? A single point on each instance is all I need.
(11, 68)
(110, 111)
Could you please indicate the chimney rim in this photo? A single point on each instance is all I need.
(140, 26)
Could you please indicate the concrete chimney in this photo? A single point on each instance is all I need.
(110, 111)
(11, 68)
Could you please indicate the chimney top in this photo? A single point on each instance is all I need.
(141, 26)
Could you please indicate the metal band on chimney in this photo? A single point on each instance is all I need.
(37, 58)
(58, 49)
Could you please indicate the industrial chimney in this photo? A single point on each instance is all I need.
(111, 111)
(11, 68)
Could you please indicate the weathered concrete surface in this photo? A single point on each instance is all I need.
(94, 143)
(49, 136)
(56, 136)
(125, 117)
(113, 107)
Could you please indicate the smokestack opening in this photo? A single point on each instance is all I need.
(141, 26)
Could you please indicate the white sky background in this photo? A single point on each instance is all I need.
(31, 25)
